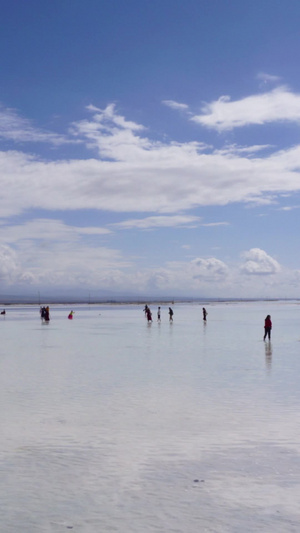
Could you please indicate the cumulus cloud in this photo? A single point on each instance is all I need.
(198, 270)
(208, 269)
(278, 105)
(258, 262)
(67, 265)
(45, 251)
(8, 263)
(64, 259)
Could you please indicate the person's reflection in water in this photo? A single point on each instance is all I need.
(268, 354)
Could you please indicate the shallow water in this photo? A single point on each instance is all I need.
(109, 424)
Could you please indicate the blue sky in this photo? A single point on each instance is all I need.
(150, 147)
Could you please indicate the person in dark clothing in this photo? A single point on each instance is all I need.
(149, 315)
(47, 314)
(204, 313)
(268, 327)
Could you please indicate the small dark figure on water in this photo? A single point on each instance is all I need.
(158, 314)
(146, 309)
(45, 313)
(149, 315)
(3, 312)
(268, 327)
(204, 313)
(171, 313)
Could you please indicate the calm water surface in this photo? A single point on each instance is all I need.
(109, 424)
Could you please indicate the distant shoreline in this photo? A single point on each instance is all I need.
(143, 301)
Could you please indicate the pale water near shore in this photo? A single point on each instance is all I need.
(109, 424)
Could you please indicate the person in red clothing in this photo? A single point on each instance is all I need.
(268, 327)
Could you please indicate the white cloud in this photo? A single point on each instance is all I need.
(105, 117)
(212, 224)
(234, 149)
(46, 251)
(208, 269)
(18, 129)
(67, 264)
(63, 260)
(131, 173)
(134, 174)
(278, 105)
(268, 78)
(183, 221)
(175, 105)
(258, 262)
(198, 271)
(289, 208)
(159, 222)
(8, 263)
(46, 230)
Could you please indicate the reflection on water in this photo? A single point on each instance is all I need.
(106, 423)
(268, 354)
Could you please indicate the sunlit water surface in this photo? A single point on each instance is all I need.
(109, 424)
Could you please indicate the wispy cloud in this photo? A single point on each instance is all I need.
(212, 224)
(108, 116)
(236, 149)
(175, 105)
(268, 78)
(159, 222)
(288, 208)
(46, 230)
(278, 105)
(21, 130)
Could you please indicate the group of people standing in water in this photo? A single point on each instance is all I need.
(148, 313)
(45, 314)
